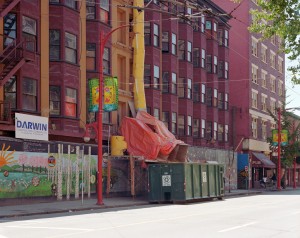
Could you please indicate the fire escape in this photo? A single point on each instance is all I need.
(13, 55)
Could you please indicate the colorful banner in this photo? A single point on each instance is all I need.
(284, 137)
(94, 95)
(111, 94)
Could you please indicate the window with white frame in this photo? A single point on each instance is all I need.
(156, 113)
(71, 102)
(181, 49)
(203, 90)
(215, 134)
(272, 59)
(226, 102)
(254, 99)
(189, 125)
(264, 102)
(203, 54)
(280, 65)
(196, 125)
(189, 51)
(226, 38)
(263, 78)
(264, 53)
(165, 119)
(226, 70)
(181, 125)
(264, 130)
(174, 44)
(226, 133)
(254, 73)
(156, 77)
(215, 100)
(174, 83)
(254, 127)
(273, 82)
(29, 94)
(147, 75)
(202, 23)
(273, 106)
(196, 57)
(209, 130)
(165, 41)
(215, 64)
(181, 88)
(220, 132)
(29, 33)
(147, 33)
(104, 11)
(196, 92)
(189, 89)
(174, 123)
(165, 79)
(254, 46)
(155, 35)
(203, 130)
(70, 48)
(280, 88)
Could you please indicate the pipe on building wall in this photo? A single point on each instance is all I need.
(138, 56)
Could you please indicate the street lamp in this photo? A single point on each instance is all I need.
(103, 39)
(279, 147)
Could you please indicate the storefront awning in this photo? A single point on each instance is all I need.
(261, 160)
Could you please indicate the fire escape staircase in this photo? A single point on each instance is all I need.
(7, 6)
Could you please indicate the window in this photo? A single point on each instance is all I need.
(264, 130)
(147, 33)
(280, 88)
(196, 125)
(71, 3)
(174, 83)
(203, 58)
(226, 70)
(209, 97)
(189, 51)
(254, 74)
(273, 39)
(181, 88)
(209, 130)
(196, 57)
(202, 23)
(220, 100)
(29, 33)
(273, 106)
(226, 133)
(70, 48)
(54, 45)
(220, 132)
(203, 93)
(155, 35)
(215, 102)
(174, 44)
(226, 102)
(181, 51)
(220, 37)
(254, 46)
(147, 76)
(181, 125)
(254, 99)
(208, 64)
(91, 56)
(174, 123)
(156, 113)
(55, 100)
(272, 59)
(215, 131)
(203, 128)
(165, 119)
(221, 69)
(215, 64)
(189, 89)
(226, 38)
(106, 61)
(29, 94)
(189, 125)
(272, 81)
(165, 41)
(156, 77)
(264, 78)
(165, 78)
(254, 127)
(208, 25)
(280, 65)
(10, 28)
(71, 102)
(90, 9)
(264, 53)
(264, 103)
(196, 92)
(10, 92)
(104, 11)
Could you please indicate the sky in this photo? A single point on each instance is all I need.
(292, 91)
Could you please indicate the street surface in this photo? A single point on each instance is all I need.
(273, 214)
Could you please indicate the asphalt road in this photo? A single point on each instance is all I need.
(275, 214)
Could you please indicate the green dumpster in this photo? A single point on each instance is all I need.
(185, 181)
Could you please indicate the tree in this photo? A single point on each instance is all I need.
(281, 18)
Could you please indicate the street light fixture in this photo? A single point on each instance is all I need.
(279, 146)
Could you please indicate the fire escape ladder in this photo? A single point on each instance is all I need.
(7, 6)
(11, 60)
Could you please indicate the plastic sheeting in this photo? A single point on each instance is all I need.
(146, 136)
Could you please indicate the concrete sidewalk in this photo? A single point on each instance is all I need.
(50, 206)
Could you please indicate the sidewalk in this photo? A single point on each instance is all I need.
(50, 206)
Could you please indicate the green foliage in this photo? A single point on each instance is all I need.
(281, 18)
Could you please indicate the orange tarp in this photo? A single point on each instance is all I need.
(146, 136)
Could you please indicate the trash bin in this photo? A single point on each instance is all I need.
(185, 181)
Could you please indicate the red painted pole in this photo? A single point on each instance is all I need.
(279, 151)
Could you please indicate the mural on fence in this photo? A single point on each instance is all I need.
(32, 174)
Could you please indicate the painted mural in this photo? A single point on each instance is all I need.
(26, 174)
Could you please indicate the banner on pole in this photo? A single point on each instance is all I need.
(94, 94)
(284, 137)
(111, 94)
